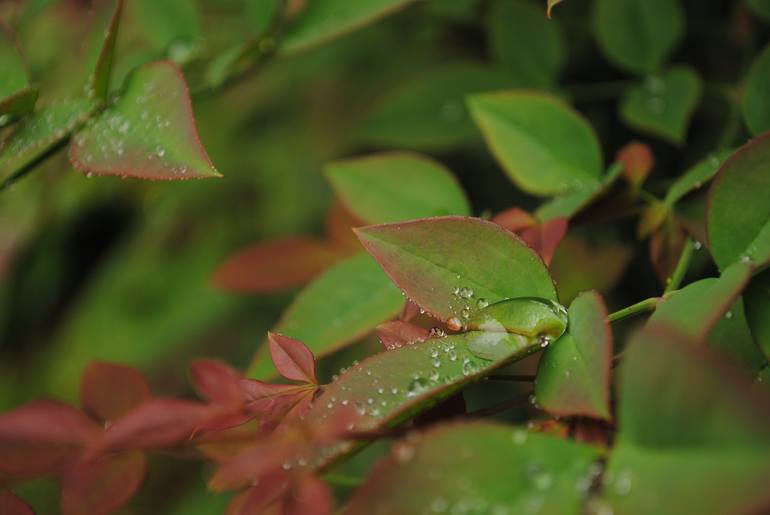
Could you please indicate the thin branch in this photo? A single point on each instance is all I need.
(644, 306)
(681, 267)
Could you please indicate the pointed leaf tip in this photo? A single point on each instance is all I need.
(292, 358)
(149, 133)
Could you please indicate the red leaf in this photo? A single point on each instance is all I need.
(310, 496)
(10, 504)
(101, 486)
(36, 438)
(216, 382)
(515, 220)
(275, 265)
(292, 358)
(637, 161)
(551, 234)
(397, 334)
(254, 500)
(410, 311)
(108, 390)
(156, 423)
(257, 462)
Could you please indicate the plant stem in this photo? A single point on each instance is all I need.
(644, 306)
(681, 267)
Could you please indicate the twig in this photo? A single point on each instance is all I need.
(644, 306)
(681, 267)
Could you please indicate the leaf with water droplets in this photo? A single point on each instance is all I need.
(344, 303)
(428, 111)
(98, 86)
(545, 146)
(638, 35)
(530, 317)
(695, 309)
(397, 333)
(573, 377)
(149, 133)
(320, 22)
(372, 187)
(662, 105)
(393, 386)
(16, 95)
(694, 434)
(40, 132)
(447, 264)
(479, 467)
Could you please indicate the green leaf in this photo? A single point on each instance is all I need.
(545, 147)
(525, 316)
(732, 335)
(522, 39)
(149, 133)
(454, 266)
(694, 436)
(761, 7)
(663, 104)
(429, 112)
(571, 203)
(738, 214)
(320, 22)
(695, 177)
(260, 13)
(756, 106)
(573, 377)
(40, 132)
(479, 467)
(696, 308)
(16, 96)
(343, 304)
(99, 83)
(372, 187)
(757, 306)
(638, 35)
(393, 386)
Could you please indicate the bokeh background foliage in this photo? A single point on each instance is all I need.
(100, 268)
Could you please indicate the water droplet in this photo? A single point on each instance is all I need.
(466, 293)
(519, 437)
(454, 324)
(417, 386)
(622, 483)
(437, 332)
(439, 505)
(482, 303)
(729, 315)
(403, 452)
(697, 245)
(436, 363)
(540, 477)
(467, 367)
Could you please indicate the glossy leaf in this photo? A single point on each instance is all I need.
(733, 336)
(663, 104)
(530, 317)
(479, 468)
(428, 111)
(37, 437)
(40, 132)
(108, 390)
(397, 334)
(638, 35)
(454, 266)
(320, 22)
(390, 387)
(738, 215)
(522, 39)
(275, 265)
(756, 108)
(343, 304)
(694, 436)
(696, 308)
(573, 202)
(149, 133)
(757, 301)
(102, 486)
(292, 358)
(541, 143)
(99, 83)
(573, 377)
(16, 95)
(372, 187)
(13, 505)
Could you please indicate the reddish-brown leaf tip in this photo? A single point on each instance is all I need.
(292, 358)
(110, 390)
